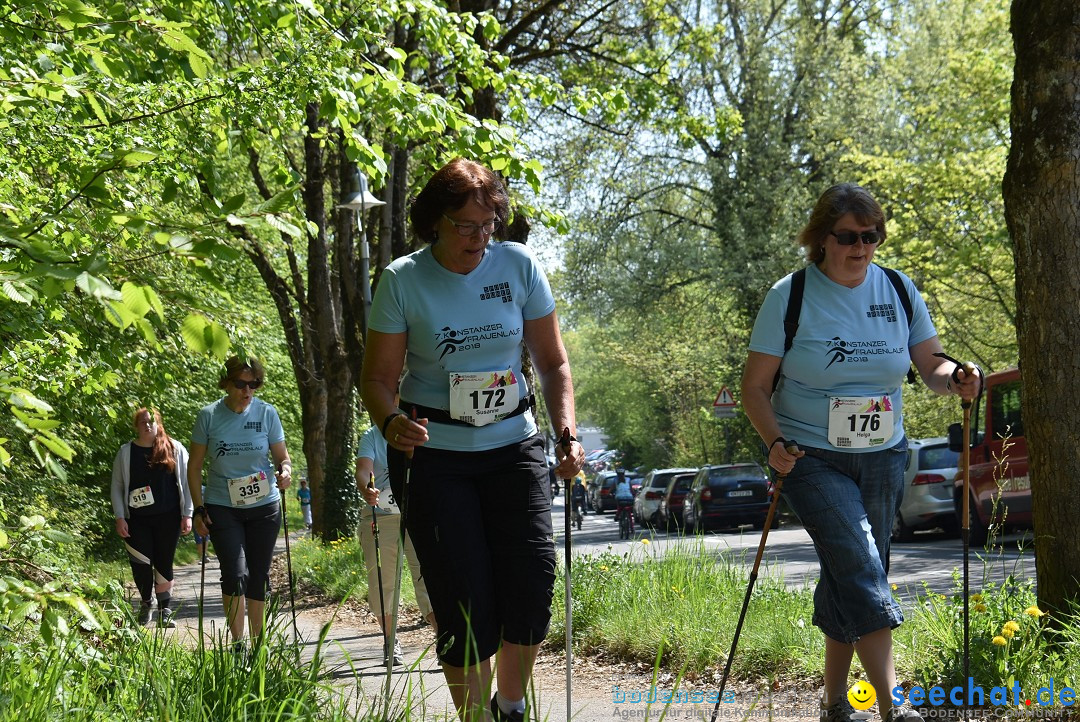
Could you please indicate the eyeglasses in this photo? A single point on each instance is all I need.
(848, 238)
(470, 229)
(241, 384)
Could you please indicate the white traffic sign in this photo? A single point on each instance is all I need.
(724, 406)
(724, 398)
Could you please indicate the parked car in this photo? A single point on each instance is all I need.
(653, 488)
(603, 489)
(928, 489)
(727, 495)
(669, 513)
(997, 428)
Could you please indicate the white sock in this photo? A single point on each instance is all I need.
(507, 706)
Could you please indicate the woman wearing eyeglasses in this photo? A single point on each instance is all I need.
(458, 315)
(248, 465)
(837, 396)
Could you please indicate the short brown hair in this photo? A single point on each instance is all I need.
(235, 366)
(835, 203)
(451, 188)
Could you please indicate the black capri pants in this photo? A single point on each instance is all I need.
(244, 545)
(481, 525)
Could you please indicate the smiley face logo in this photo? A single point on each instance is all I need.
(862, 695)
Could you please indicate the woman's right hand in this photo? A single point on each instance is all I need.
(405, 434)
(202, 523)
(122, 528)
(371, 495)
(783, 460)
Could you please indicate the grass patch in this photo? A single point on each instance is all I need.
(686, 603)
(338, 570)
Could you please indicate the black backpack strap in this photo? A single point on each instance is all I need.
(905, 301)
(794, 308)
(791, 315)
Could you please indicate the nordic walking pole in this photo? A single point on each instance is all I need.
(202, 580)
(288, 566)
(392, 636)
(791, 448)
(965, 511)
(378, 565)
(564, 442)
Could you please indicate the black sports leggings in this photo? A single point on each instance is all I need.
(150, 547)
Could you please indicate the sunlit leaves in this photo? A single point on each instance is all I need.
(203, 335)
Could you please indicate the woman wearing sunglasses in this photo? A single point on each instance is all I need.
(459, 314)
(248, 465)
(836, 393)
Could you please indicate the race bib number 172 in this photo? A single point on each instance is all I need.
(485, 397)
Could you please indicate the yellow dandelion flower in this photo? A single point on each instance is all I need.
(1007, 633)
(976, 597)
(999, 641)
(645, 542)
(1034, 611)
(603, 569)
(894, 587)
(980, 607)
(1012, 625)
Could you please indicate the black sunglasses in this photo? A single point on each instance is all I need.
(241, 384)
(848, 238)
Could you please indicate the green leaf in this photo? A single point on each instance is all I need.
(284, 226)
(233, 204)
(19, 293)
(3, 537)
(135, 299)
(96, 286)
(277, 203)
(138, 157)
(56, 446)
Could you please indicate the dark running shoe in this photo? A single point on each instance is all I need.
(837, 712)
(500, 716)
(145, 612)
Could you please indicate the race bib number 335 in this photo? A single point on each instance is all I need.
(860, 422)
(248, 490)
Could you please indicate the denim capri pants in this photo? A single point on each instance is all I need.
(847, 503)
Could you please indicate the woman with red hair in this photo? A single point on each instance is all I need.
(153, 508)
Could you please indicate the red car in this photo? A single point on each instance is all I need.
(669, 515)
(998, 490)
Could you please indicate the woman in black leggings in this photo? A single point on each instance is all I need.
(153, 508)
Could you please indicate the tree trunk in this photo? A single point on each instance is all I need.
(1042, 207)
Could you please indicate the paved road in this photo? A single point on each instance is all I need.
(931, 559)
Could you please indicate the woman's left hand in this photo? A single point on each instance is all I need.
(569, 463)
(185, 525)
(284, 477)
(966, 385)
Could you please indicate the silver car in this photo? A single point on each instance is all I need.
(928, 489)
(653, 488)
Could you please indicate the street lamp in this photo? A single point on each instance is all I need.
(359, 199)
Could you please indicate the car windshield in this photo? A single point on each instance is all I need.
(739, 471)
(682, 483)
(938, 457)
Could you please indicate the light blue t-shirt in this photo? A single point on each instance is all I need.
(237, 445)
(463, 323)
(373, 446)
(850, 342)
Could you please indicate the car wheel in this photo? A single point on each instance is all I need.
(978, 532)
(901, 532)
